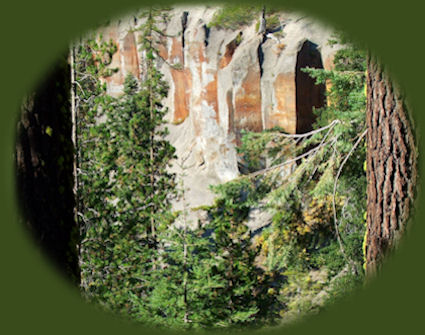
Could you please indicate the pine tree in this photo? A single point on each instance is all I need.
(126, 187)
(245, 294)
(318, 183)
(209, 277)
(181, 297)
(155, 89)
(91, 103)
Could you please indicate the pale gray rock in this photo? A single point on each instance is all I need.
(216, 77)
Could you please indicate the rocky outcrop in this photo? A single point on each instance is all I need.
(224, 81)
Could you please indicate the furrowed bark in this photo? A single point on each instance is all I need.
(391, 166)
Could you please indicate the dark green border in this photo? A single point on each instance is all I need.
(33, 297)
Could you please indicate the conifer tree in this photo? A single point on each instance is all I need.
(154, 89)
(125, 186)
(181, 297)
(151, 185)
(209, 277)
(317, 200)
(91, 102)
(318, 184)
(137, 261)
(245, 294)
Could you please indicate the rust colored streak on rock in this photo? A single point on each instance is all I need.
(285, 112)
(182, 86)
(116, 78)
(248, 103)
(200, 49)
(130, 56)
(163, 49)
(176, 51)
(182, 80)
(229, 100)
(196, 50)
(227, 58)
(210, 96)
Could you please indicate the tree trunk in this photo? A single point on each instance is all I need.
(44, 160)
(391, 166)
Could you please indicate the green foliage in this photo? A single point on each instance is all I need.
(143, 261)
(260, 150)
(302, 237)
(125, 187)
(246, 295)
(272, 22)
(182, 294)
(238, 39)
(342, 287)
(234, 17)
(49, 131)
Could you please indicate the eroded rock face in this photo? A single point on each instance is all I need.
(126, 59)
(221, 82)
(182, 82)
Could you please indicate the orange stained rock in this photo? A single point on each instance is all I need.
(117, 77)
(209, 94)
(176, 51)
(329, 65)
(284, 114)
(248, 103)
(196, 50)
(182, 80)
(229, 100)
(163, 48)
(227, 58)
(224, 61)
(130, 55)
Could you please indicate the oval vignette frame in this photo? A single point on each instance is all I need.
(37, 299)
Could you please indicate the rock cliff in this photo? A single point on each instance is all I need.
(223, 81)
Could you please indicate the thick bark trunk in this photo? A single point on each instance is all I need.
(44, 168)
(391, 166)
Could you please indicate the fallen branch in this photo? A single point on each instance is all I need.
(330, 125)
(254, 174)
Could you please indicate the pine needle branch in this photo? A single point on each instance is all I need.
(338, 235)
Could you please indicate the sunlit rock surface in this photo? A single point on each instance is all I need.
(221, 82)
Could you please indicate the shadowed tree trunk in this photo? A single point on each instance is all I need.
(391, 166)
(44, 168)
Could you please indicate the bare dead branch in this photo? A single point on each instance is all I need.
(330, 125)
(315, 149)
